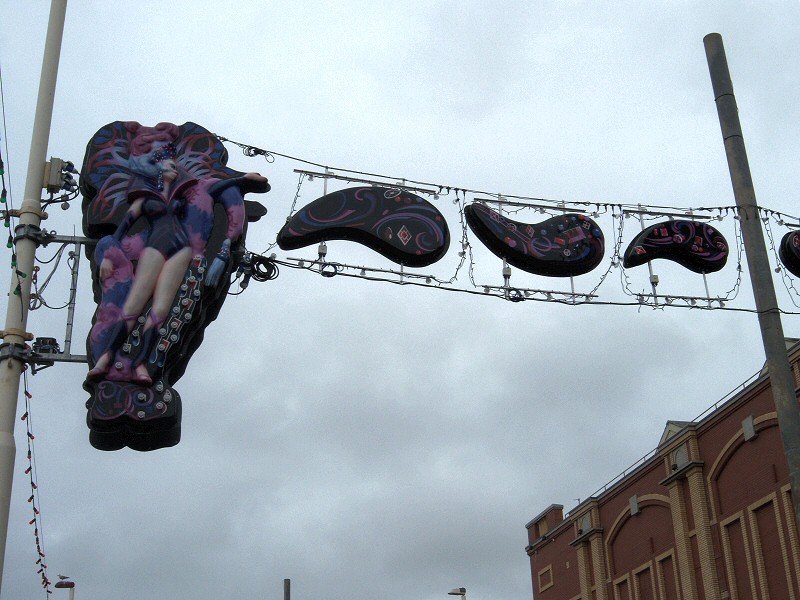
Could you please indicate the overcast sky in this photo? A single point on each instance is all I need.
(364, 439)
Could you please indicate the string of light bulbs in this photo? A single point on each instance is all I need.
(514, 204)
(495, 197)
(617, 212)
(786, 278)
(36, 521)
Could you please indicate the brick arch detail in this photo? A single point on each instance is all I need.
(731, 447)
(624, 516)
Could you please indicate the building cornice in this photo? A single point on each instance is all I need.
(586, 536)
(682, 472)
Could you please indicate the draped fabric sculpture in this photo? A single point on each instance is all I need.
(169, 218)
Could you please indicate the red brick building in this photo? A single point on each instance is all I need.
(707, 515)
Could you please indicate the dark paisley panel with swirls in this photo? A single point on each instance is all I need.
(694, 245)
(789, 252)
(562, 246)
(125, 414)
(399, 225)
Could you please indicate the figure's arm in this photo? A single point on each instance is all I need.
(106, 265)
(231, 198)
(230, 193)
(106, 269)
(247, 183)
(134, 212)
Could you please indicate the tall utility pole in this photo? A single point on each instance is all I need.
(12, 352)
(769, 317)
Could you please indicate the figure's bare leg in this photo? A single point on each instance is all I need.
(144, 283)
(169, 280)
(166, 286)
(119, 332)
(147, 343)
(148, 270)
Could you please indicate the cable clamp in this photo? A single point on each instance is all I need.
(20, 352)
(18, 212)
(18, 332)
(33, 232)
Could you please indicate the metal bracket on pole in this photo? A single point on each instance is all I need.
(42, 237)
(41, 360)
(36, 234)
(37, 359)
(20, 352)
(45, 351)
(14, 212)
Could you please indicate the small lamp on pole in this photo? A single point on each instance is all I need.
(454, 592)
(70, 585)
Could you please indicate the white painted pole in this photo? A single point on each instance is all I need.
(19, 293)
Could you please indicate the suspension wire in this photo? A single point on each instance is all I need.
(291, 209)
(37, 298)
(737, 236)
(250, 150)
(337, 269)
(513, 204)
(7, 201)
(249, 269)
(466, 247)
(5, 143)
(36, 521)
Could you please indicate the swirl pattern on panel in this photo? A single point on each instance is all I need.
(562, 246)
(400, 225)
(692, 244)
(789, 252)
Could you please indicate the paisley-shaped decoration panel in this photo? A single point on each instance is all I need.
(789, 252)
(399, 225)
(694, 245)
(562, 246)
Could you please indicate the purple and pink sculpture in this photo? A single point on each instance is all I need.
(562, 246)
(170, 220)
(789, 252)
(400, 225)
(693, 245)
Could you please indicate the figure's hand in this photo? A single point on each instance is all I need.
(214, 274)
(106, 269)
(254, 182)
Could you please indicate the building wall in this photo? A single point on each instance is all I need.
(708, 517)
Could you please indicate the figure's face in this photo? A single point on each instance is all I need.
(169, 170)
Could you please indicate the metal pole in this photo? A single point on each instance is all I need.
(64, 584)
(287, 588)
(73, 291)
(769, 318)
(19, 293)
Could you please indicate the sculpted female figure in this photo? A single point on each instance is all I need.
(159, 186)
(161, 265)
